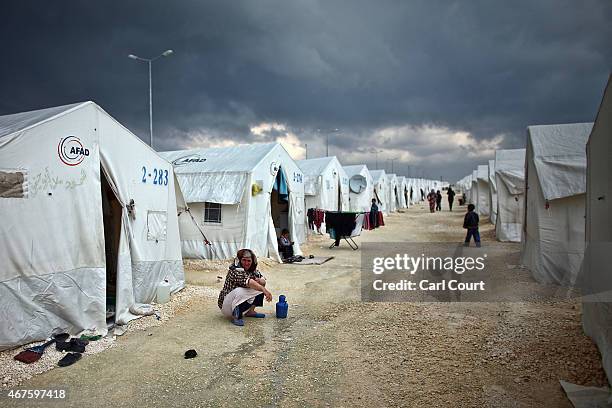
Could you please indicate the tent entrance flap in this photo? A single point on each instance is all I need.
(111, 212)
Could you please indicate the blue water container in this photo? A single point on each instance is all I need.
(282, 307)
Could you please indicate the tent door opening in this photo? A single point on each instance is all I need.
(395, 195)
(339, 195)
(279, 203)
(111, 212)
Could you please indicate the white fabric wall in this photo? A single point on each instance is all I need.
(510, 181)
(553, 238)
(510, 214)
(492, 192)
(361, 201)
(483, 204)
(225, 238)
(597, 309)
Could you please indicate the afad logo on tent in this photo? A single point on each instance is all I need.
(71, 151)
(192, 158)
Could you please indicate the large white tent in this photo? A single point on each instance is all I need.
(473, 194)
(88, 218)
(232, 200)
(325, 184)
(492, 192)
(414, 186)
(392, 199)
(403, 191)
(381, 187)
(555, 179)
(510, 182)
(597, 307)
(483, 204)
(361, 187)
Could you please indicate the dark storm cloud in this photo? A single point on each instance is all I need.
(382, 72)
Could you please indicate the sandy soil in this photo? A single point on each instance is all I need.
(335, 350)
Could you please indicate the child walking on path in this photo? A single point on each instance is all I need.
(470, 222)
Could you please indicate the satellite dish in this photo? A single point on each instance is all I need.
(358, 183)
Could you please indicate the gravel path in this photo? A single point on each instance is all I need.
(335, 350)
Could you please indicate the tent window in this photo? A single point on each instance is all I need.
(12, 184)
(156, 225)
(212, 212)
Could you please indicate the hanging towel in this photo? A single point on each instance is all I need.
(280, 185)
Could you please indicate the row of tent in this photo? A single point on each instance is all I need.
(555, 197)
(92, 219)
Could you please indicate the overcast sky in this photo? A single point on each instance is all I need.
(436, 85)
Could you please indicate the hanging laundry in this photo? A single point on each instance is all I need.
(366, 221)
(310, 215)
(280, 185)
(381, 221)
(341, 223)
(315, 217)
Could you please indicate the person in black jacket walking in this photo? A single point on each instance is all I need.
(470, 222)
(451, 197)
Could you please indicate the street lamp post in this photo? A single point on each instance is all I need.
(392, 161)
(149, 61)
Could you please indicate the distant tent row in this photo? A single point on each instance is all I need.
(93, 220)
(555, 198)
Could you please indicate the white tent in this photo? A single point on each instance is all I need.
(555, 179)
(483, 204)
(392, 198)
(361, 187)
(510, 182)
(325, 184)
(413, 190)
(492, 192)
(381, 187)
(473, 195)
(231, 198)
(416, 190)
(88, 217)
(597, 307)
(403, 191)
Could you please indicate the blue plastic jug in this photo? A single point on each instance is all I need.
(282, 307)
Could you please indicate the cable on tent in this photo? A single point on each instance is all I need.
(206, 241)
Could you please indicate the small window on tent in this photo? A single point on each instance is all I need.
(212, 213)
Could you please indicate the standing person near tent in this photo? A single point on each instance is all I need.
(431, 198)
(244, 289)
(451, 197)
(374, 214)
(470, 222)
(438, 201)
(422, 195)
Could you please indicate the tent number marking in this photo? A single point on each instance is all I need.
(160, 176)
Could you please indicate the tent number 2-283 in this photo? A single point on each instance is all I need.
(160, 176)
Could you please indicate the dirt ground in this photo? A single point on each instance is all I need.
(334, 350)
